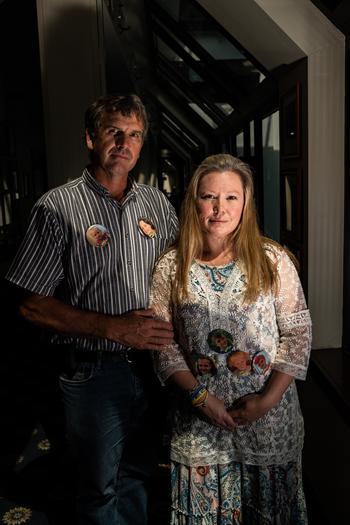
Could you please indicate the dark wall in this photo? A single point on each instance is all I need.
(22, 146)
(346, 309)
(294, 160)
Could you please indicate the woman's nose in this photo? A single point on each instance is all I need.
(217, 207)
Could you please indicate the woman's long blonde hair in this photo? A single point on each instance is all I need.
(248, 245)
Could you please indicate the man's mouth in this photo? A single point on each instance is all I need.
(120, 154)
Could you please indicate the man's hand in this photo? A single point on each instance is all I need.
(139, 329)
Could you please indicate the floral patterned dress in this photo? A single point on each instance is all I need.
(251, 475)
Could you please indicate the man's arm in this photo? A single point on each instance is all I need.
(137, 329)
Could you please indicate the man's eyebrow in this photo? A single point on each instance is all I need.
(114, 126)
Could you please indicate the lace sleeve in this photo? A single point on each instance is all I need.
(294, 323)
(172, 359)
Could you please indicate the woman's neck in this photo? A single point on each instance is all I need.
(216, 255)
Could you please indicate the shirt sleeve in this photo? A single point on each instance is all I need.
(171, 359)
(173, 224)
(294, 323)
(38, 264)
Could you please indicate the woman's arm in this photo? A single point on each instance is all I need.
(254, 406)
(172, 358)
(171, 365)
(293, 320)
(292, 356)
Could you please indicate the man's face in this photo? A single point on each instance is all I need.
(117, 143)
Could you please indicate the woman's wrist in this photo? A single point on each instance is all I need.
(275, 388)
(198, 395)
(269, 399)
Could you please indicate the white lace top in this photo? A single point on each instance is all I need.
(275, 325)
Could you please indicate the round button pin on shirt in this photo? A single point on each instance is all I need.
(147, 228)
(97, 235)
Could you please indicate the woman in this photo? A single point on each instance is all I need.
(237, 438)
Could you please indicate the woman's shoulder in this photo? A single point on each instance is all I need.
(273, 249)
(278, 253)
(167, 259)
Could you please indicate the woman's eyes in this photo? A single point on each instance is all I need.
(210, 197)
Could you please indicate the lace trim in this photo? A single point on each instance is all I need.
(294, 320)
(298, 372)
(226, 456)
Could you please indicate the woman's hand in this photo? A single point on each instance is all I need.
(254, 406)
(249, 408)
(216, 412)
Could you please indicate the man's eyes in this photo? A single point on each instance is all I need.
(133, 135)
(136, 135)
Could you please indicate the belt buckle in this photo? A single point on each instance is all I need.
(128, 358)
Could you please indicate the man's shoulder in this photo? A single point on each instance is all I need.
(58, 192)
(147, 190)
(70, 185)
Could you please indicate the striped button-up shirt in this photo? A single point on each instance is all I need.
(57, 259)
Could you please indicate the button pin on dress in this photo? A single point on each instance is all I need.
(147, 227)
(261, 362)
(220, 341)
(97, 235)
(204, 366)
(239, 363)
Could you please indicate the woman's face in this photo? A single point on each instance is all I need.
(220, 203)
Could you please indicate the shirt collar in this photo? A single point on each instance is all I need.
(131, 191)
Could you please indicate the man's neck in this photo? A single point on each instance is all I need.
(116, 184)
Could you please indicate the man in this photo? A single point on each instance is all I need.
(93, 295)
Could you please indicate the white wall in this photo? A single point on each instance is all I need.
(324, 46)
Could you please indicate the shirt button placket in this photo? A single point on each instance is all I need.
(130, 269)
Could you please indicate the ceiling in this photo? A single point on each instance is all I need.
(203, 66)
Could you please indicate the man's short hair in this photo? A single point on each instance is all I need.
(126, 105)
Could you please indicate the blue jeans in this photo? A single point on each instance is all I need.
(109, 434)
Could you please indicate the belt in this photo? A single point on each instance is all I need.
(129, 355)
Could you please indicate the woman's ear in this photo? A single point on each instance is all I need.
(89, 141)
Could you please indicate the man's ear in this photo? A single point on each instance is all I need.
(89, 141)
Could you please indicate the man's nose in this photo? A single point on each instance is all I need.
(119, 138)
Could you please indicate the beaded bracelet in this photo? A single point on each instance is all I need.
(198, 395)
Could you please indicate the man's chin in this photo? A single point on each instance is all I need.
(118, 167)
